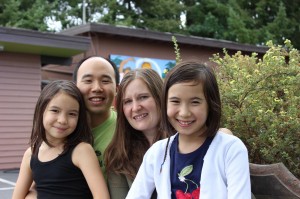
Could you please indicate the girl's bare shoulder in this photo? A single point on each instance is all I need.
(28, 152)
(83, 147)
(82, 151)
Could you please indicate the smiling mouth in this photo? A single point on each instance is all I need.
(61, 129)
(185, 123)
(140, 117)
(97, 99)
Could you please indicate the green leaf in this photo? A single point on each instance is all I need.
(186, 170)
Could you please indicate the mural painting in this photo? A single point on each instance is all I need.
(128, 63)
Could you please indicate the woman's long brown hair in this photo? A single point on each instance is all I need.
(125, 153)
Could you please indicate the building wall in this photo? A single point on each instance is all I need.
(104, 45)
(20, 86)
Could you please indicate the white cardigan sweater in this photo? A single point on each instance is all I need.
(225, 172)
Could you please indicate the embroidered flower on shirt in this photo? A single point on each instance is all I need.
(185, 195)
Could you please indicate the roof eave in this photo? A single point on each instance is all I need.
(162, 36)
(48, 44)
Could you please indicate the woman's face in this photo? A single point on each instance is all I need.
(140, 108)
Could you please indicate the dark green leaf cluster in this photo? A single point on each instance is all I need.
(34, 14)
(28, 14)
(244, 21)
(156, 15)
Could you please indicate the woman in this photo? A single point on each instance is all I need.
(138, 127)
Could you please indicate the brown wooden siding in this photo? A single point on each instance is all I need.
(105, 45)
(20, 85)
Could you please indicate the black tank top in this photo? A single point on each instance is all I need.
(59, 178)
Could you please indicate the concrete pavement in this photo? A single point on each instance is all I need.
(8, 179)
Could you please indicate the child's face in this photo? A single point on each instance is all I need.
(140, 108)
(60, 117)
(187, 108)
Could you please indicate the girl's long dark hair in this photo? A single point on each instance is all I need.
(82, 132)
(125, 153)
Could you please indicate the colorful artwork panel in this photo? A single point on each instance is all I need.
(128, 63)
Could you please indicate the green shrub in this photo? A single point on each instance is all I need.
(261, 103)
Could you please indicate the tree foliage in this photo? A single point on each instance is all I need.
(156, 15)
(245, 21)
(24, 14)
(261, 103)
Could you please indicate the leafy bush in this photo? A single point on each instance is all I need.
(261, 103)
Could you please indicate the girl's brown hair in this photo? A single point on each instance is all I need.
(82, 132)
(194, 71)
(125, 152)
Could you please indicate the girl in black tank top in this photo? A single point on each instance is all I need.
(61, 161)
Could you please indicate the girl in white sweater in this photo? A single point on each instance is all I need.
(198, 161)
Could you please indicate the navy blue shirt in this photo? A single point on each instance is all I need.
(186, 170)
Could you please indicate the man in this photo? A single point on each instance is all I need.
(97, 79)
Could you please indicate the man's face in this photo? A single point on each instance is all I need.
(97, 83)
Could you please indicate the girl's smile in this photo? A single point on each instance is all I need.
(185, 123)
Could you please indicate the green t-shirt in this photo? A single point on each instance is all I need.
(102, 137)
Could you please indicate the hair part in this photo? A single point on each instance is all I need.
(82, 132)
(125, 152)
(194, 71)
